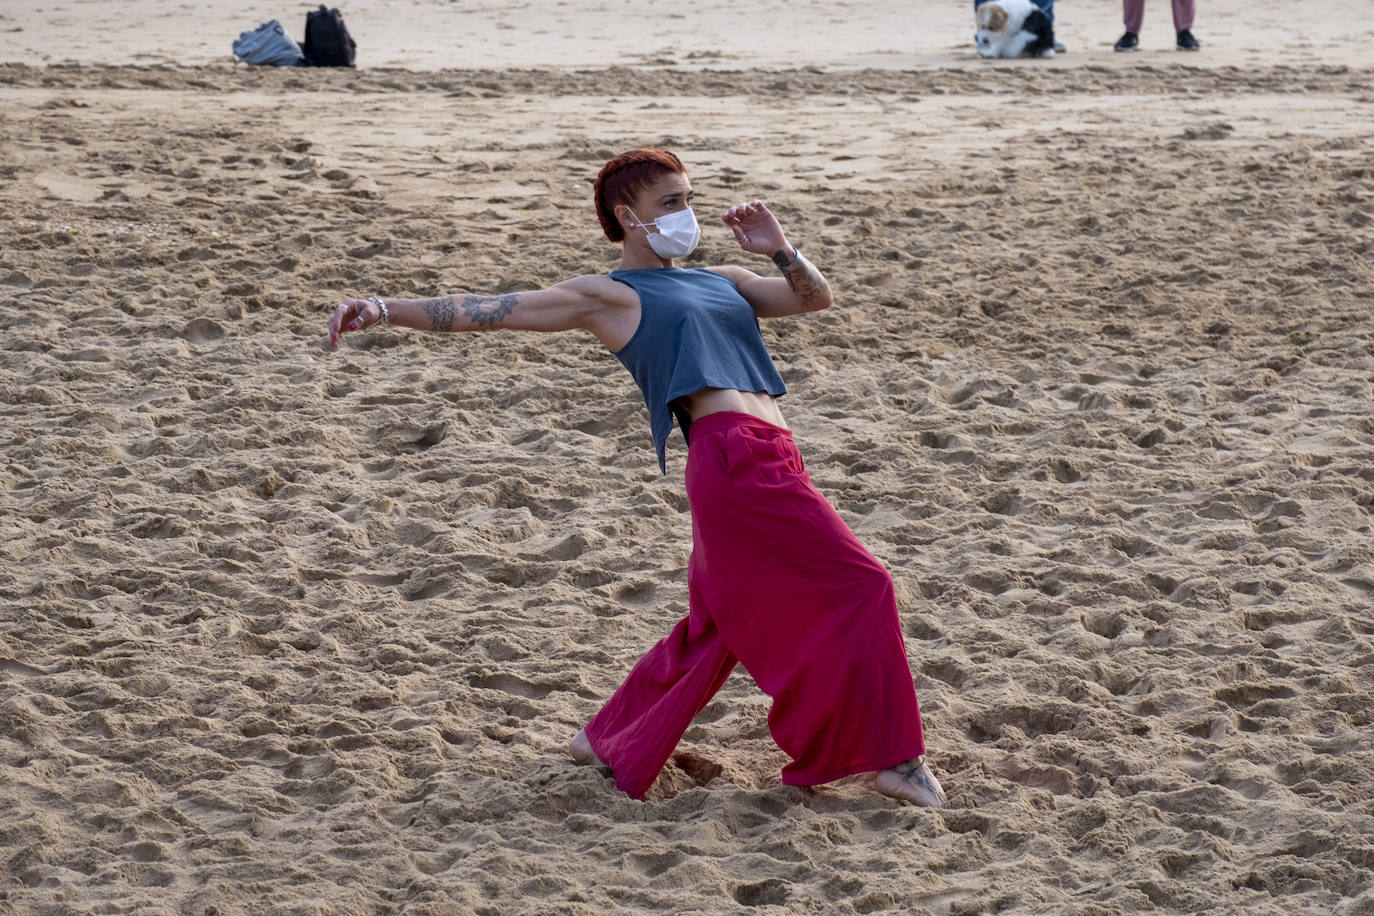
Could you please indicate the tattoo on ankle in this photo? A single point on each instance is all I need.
(919, 774)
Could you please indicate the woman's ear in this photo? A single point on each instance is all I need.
(625, 218)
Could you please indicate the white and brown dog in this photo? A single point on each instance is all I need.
(1013, 28)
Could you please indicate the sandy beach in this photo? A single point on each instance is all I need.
(292, 630)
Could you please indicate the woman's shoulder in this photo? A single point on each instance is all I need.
(731, 272)
(596, 286)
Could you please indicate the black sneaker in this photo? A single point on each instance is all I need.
(1186, 41)
(1130, 42)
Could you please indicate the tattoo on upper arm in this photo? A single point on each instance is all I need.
(482, 311)
(476, 308)
(805, 280)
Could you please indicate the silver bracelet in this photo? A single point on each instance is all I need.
(377, 301)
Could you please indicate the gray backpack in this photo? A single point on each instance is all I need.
(268, 45)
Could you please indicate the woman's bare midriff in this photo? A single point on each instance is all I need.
(716, 400)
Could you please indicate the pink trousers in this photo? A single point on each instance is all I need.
(779, 583)
(1134, 13)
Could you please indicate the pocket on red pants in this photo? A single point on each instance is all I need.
(764, 453)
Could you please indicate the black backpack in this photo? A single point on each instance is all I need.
(327, 42)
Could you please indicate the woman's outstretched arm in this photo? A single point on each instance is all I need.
(577, 303)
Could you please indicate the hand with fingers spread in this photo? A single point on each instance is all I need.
(756, 228)
(352, 315)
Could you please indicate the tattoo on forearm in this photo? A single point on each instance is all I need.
(805, 280)
(482, 311)
(441, 312)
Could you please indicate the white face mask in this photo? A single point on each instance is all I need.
(677, 235)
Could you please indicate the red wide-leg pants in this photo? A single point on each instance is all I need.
(778, 582)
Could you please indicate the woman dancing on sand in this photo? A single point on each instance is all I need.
(776, 580)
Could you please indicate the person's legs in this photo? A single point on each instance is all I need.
(810, 613)
(635, 732)
(777, 580)
(1184, 11)
(1133, 13)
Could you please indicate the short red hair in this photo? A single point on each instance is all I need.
(623, 177)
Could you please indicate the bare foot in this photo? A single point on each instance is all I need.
(913, 782)
(580, 749)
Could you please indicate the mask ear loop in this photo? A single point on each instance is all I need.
(639, 222)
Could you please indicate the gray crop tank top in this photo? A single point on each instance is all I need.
(695, 331)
